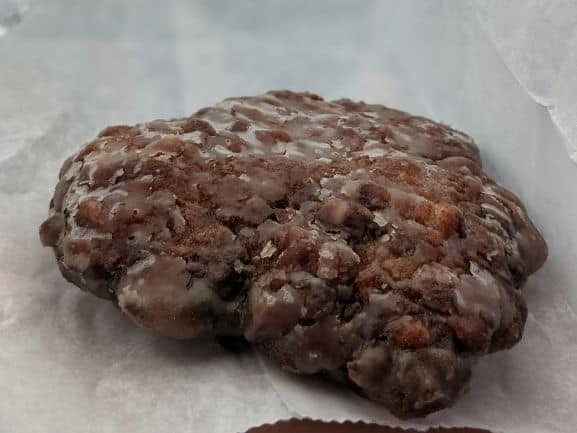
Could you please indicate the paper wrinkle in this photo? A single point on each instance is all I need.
(72, 68)
(263, 363)
(33, 154)
(11, 14)
(546, 77)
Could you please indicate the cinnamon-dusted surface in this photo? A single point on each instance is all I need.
(309, 426)
(341, 238)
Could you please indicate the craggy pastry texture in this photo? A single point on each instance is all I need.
(342, 238)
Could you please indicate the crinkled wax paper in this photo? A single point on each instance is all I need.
(502, 71)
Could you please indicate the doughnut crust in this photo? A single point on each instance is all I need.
(341, 238)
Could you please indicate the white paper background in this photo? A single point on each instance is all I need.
(502, 71)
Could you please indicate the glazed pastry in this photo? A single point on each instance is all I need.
(341, 238)
(310, 426)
